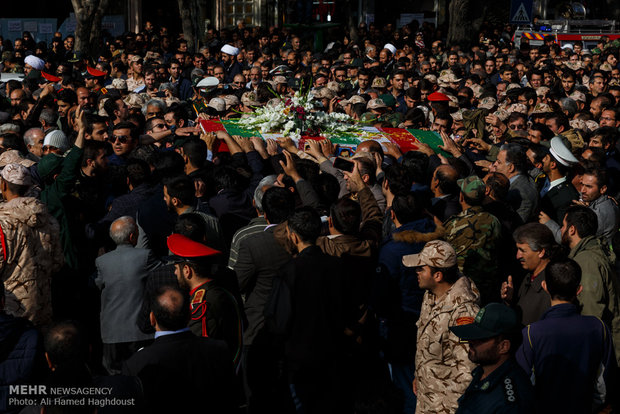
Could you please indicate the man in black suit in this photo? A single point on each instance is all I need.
(445, 201)
(180, 369)
(313, 345)
(260, 259)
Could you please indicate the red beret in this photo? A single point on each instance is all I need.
(50, 78)
(183, 246)
(438, 97)
(94, 72)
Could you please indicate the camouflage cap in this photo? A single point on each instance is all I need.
(542, 108)
(355, 99)
(134, 100)
(279, 79)
(542, 91)
(218, 104)
(436, 253)
(334, 86)
(323, 93)
(13, 157)
(431, 78)
(477, 89)
(249, 99)
(574, 65)
(16, 174)
(578, 96)
(606, 67)
(120, 84)
(472, 187)
(512, 86)
(376, 104)
(487, 103)
(517, 107)
(231, 100)
(379, 82)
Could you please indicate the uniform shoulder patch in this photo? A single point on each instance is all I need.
(509, 391)
(464, 320)
(198, 297)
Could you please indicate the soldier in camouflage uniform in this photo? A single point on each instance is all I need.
(442, 368)
(475, 235)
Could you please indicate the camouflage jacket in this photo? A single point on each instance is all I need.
(475, 234)
(31, 253)
(442, 368)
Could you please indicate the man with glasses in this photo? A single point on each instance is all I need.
(123, 140)
(238, 82)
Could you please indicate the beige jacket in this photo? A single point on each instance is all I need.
(442, 368)
(31, 254)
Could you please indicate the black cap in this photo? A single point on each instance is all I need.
(492, 320)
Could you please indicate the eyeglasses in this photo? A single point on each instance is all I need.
(516, 126)
(120, 138)
(47, 148)
(160, 126)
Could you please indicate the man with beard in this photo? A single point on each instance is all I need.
(215, 312)
(498, 383)
(180, 197)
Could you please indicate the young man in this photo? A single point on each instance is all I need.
(567, 354)
(442, 369)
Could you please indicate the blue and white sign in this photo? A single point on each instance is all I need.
(521, 11)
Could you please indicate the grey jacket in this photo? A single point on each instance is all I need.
(121, 276)
(523, 197)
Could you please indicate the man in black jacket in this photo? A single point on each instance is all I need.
(181, 369)
(314, 342)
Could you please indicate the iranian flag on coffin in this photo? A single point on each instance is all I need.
(403, 138)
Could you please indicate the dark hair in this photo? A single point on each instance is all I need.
(563, 278)
(416, 164)
(306, 223)
(538, 237)
(138, 171)
(278, 204)
(515, 155)
(133, 131)
(65, 344)
(398, 179)
(450, 274)
(170, 306)
(67, 95)
(196, 150)
(192, 226)
(546, 133)
(600, 174)
(367, 167)
(91, 150)
(583, 219)
(182, 188)
(166, 164)
(346, 216)
(530, 93)
(407, 208)
(91, 120)
(499, 185)
(608, 135)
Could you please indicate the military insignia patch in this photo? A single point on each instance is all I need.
(198, 297)
(465, 320)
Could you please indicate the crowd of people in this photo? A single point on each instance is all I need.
(191, 270)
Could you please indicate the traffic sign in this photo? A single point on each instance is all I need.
(521, 11)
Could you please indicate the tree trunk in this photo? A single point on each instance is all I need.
(188, 10)
(88, 15)
(459, 24)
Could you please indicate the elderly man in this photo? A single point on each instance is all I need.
(31, 250)
(121, 275)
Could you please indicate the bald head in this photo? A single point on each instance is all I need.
(444, 180)
(124, 231)
(169, 309)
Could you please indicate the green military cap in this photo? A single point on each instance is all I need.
(473, 187)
